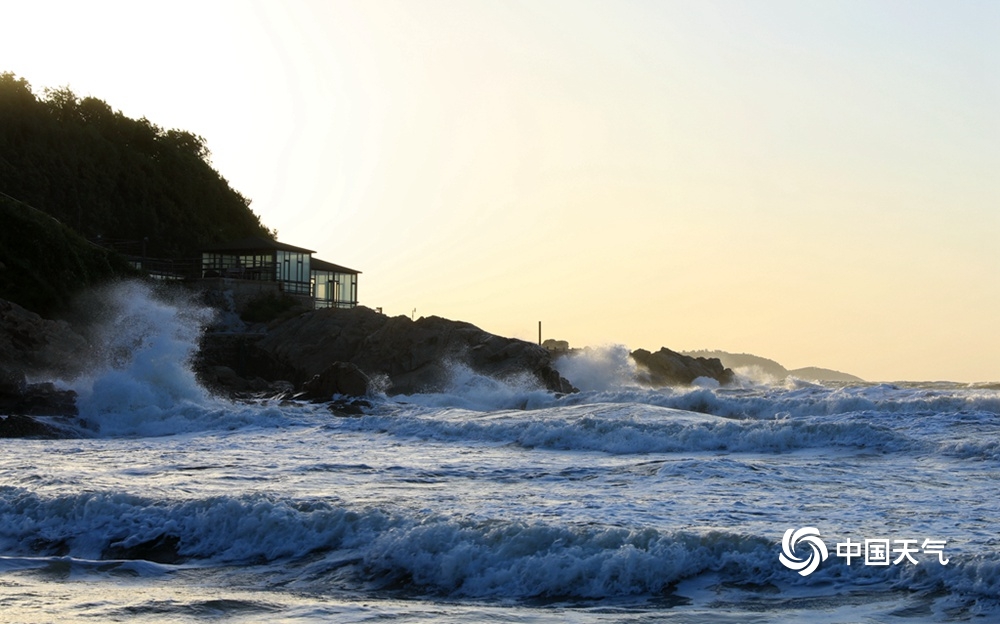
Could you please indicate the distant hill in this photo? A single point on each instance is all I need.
(813, 373)
(743, 360)
(771, 368)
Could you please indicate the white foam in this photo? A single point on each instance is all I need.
(633, 428)
(441, 555)
(599, 369)
(141, 381)
(470, 390)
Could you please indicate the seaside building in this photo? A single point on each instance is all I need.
(256, 264)
(333, 286)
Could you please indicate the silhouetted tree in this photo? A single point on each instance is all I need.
(105, 174)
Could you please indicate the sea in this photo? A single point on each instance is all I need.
(497, 501)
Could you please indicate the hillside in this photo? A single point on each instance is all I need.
(111, 177)
(43, 262)
(771, 368)
(100, 177)
(814, 373)
(743, 360)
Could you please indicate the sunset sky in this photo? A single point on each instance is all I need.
(814, 182)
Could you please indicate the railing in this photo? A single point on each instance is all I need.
(169, 269)
(214, 267)
(165, 268)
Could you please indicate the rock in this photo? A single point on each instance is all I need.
(19, 408)
(42, 399)
(281, 387)
(19, 426)
(160, 549)
(31, 344)
(667, 368)
(416, 356)
(348, 409)
(310, 342)
(12, 380)
(231, 365)
(338, 378)
(226, 378)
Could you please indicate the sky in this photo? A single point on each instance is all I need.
(813, 182)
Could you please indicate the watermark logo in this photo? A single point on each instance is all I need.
(875, 552)
(817, 550)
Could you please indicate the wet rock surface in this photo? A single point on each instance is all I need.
(339, 378)
(414, 356)
(160, 549)
(668, 368)
(33, 346)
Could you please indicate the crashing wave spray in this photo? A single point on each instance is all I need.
(467, 389)
(599, 369)
(145, 344)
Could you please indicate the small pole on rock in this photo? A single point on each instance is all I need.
(539, 333)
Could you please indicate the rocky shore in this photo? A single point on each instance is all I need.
(342, 351)
(35, 348)
(315, 356)
(669, 368)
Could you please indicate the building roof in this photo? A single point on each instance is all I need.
(316, 264)
(255, 243)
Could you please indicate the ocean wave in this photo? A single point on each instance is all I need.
(804, 401)
(631, 428)
(607, 376)
(321, 544)
(96, 525)
(141, 384)
(374, 548)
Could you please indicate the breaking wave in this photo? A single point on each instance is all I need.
(320, 543)
(631, 428)
(140, 380)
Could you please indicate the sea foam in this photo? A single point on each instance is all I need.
(438, 555)
(140, 381)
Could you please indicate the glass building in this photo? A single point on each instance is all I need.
(334, 286)
(293, 268)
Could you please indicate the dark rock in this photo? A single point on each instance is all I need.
(337, 378)
(31, 344)
(19, 426)
(668, 368)
(416, 356)
(232, 365)
(42, 399)
(160, 549)
(280, 387)
(310, 342)
(354, 407)
(224, 378)
(12, 381)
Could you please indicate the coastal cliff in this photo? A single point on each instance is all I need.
(406, 356)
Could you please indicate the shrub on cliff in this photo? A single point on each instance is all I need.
(43, 263)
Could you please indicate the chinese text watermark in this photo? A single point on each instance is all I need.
(875, 552)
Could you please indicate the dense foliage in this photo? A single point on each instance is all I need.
(110, 177)
(43, 263)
